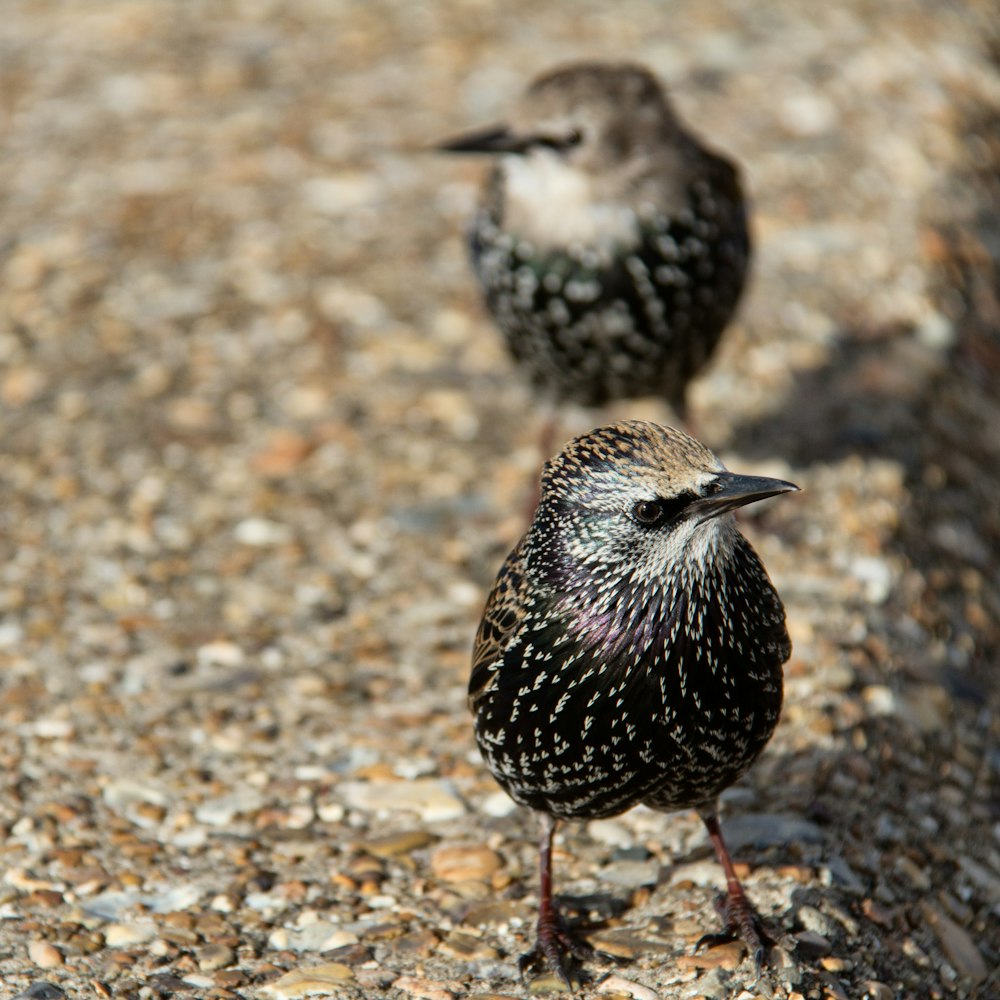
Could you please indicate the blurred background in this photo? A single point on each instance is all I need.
(262, 452)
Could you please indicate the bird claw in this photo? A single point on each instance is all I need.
(554, 944)
(740, 921)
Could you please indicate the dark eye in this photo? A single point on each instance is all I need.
(560, 142)
(653, 513)
(648, 512)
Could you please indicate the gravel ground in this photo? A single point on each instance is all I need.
(263, 453)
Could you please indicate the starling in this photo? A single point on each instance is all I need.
(631, 650)
(611, 243)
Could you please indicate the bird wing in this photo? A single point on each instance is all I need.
(501, 618)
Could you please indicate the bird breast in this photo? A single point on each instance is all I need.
(554, 206)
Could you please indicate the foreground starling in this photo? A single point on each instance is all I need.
(631, 649)
(611, 244)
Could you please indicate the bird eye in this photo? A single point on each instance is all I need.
(560, 142)
(660, 510)
(648, 512)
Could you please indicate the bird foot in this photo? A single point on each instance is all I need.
(740, 921)
(558, 948)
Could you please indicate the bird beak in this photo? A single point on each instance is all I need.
(732, 491)
(495, 139)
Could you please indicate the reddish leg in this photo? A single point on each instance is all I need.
(554, 941)
(739, 918)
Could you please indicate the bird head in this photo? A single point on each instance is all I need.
(633, 505)
(594, 116)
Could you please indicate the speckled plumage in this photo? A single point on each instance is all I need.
(611, 243)
(631, 650)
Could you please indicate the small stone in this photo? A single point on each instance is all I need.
(632, 873)
(319, 936)
(44, 954)
(41, 991)
(956, 943)
(877, 991)
(549, 982)
(393, 844)
(714, 985)
(727, 955)
(845, 876)
(214, 956)
(877, 913)
(916, 875)
(617, 984)
(320, 979)
(222, 811)
(833, 964)
(761, 830)
(259, 532)
(985, 880)
(812, 945)
(125, 935)
(465, 862)
(426, 989)
(612, 832)
(417, 944)
(812, 920)
(432, 799)
(701, 873)
(283, 453)
(466, 947)
(497, 912)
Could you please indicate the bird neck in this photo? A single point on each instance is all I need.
(612, 597)
(555, 205)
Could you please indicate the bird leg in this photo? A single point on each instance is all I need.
(739, 918)
(554, 940)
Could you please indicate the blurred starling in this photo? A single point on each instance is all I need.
(611, 244)
(631, 648)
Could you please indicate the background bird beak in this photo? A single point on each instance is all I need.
(495, 139)
(732, 491)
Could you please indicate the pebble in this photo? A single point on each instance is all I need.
(812, 945)
(214, 956)
(727, 955)
(548, 982)
(320, 936)
(701, 873)
(125, 935)
(222, 811)
(44, 954)
(714, 985)
(956, 943)
(985, 880)
(426, 989)
(618, 984)
(761, 830)
(40, 991)
(813, 920)
(321, 980)
(875, 990)
(467, 948)
(432, 799)
(631, 873)
(464, 862)
(391, 845)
